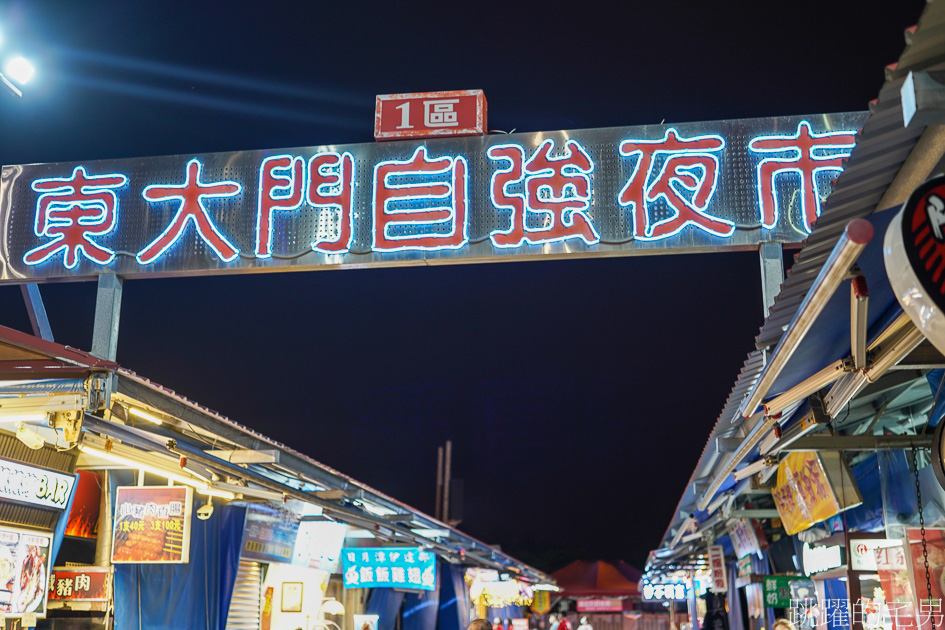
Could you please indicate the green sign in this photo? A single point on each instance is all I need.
(780, 590)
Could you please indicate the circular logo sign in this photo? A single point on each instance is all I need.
(923, 235)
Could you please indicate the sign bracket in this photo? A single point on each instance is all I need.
(107, 312)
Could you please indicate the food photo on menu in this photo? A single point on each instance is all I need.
(23, 572)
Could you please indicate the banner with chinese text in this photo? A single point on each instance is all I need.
(152, 524)
(717, 569)
(805, 492)
(79, 583)
(390, 567)
(691, 187)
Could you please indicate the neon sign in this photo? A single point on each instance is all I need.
(808, 154)
(688, 187)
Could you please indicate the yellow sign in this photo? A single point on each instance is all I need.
(542, 602)
(803, 494)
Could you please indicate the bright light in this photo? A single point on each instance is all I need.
(144, 415)
(201, 487)
(23, 417)
(19, 70)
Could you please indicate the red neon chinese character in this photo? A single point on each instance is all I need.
(276, 192)
(686, 181)
(70, 211)
(190, 194)
(802, 160)
(330, 184)
(557, 190)
(406, 214)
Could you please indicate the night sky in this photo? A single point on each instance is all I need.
(578, 394)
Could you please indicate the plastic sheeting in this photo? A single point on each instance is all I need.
(868, 516)
(195, 595)
(385, 603)
(454, 605)
(420, 609)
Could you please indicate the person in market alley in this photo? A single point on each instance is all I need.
(564, 624)
(553, 621)
(479, 624)
(585, 624)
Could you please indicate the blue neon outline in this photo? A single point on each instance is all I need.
(505, 191)
(797, 158)
(450, 193)
(567, 216)
(288, 187)
(325, 170)
(648, 187)
(190, 218)
(61, 191)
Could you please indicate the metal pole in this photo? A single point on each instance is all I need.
(103, 542)
(439, 483)
(772, 273)
(107, 313)
(36, 311)
(446, 482)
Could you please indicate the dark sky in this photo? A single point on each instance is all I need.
(578, 394)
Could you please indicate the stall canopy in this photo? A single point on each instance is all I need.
(596, 579)
(96, 407)
(823, 394)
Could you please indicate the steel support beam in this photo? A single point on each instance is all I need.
(754, 513)
(858, 443)
(36, 311)
(107, 313)
(772, 273)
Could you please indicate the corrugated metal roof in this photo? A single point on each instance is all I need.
(882, 146)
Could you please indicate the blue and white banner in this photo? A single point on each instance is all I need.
(389, 567)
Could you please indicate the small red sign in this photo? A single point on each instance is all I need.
(87, 583)
(430, 114)
(599, 605)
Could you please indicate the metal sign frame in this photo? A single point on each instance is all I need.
(693, 187)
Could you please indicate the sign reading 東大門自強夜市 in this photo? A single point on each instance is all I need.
(390, 567)
(626, 190)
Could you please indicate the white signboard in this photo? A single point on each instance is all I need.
(862, 552)
(36, 486)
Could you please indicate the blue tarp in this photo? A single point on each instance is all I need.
(385, 603)
(420, 609)
(196, 594)
(867, 517)
(60, 531)
(454, 605)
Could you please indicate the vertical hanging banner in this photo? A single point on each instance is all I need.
(717, 567)
(692, 187)
(812, 487)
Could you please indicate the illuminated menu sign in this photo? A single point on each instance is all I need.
(24, 566)
(35, 486)
(392, 567)
(587, 192)
(152, 525)
(668, 590)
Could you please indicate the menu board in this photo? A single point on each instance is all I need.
(24, 565)
(152, 525)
